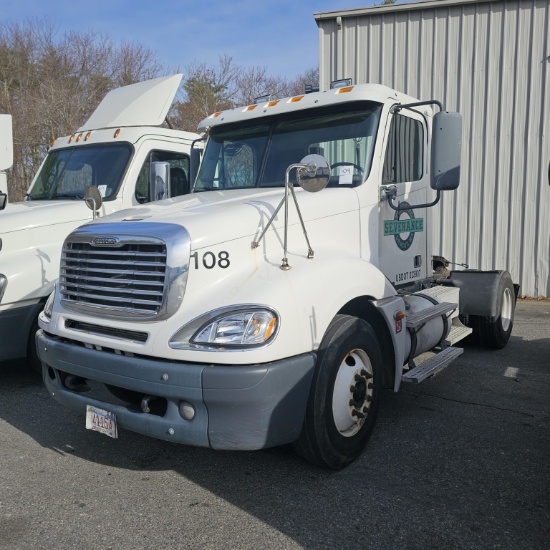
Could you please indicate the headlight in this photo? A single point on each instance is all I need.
(228, 328)
(48, 307)
(3, 285)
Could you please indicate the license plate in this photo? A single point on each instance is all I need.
(101, 421)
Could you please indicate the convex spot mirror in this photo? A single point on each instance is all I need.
(446, 150)
(159, 183)
(92, 198)
(314, 174)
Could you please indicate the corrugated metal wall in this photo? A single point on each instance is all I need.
(489, 60)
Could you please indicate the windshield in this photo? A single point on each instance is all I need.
(66, 173)
(257, 154)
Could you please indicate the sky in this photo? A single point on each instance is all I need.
(280, 35)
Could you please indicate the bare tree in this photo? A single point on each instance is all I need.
(51, 85)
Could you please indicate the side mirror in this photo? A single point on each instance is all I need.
(315, 173)
(3, 200)
(194, 164)
(92, 198)
(446, 150)
(159, 182)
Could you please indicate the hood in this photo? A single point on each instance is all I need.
(214, 217)
(142, 104)
(33, 214)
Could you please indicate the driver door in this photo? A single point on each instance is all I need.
(402, 234)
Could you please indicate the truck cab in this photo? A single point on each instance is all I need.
(277, 300)
(125, 158)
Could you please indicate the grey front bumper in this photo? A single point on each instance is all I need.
(236, 407)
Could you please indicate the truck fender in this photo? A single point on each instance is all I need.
(388, 307)
(479, 291)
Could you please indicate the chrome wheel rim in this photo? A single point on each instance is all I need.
(507, 310)
(353, 393)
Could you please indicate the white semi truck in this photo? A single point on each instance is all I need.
(121, 157)
(274, 303)
(6, 156)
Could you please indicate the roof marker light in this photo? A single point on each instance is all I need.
(296, 98)
(310, 88)
(79, 137)
(216, 115)
(250, 107)
(71, 139)
(87, 136)
(262, 98)
(272, 103)
(344, 90)
(117, 132)
(342, 83)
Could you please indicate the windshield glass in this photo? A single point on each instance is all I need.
(66, 173)
(257, 154)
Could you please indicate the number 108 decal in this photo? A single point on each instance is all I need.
(209, 260)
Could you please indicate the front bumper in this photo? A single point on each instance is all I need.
(236, 407)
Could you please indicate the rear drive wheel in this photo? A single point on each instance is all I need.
(495, 331)
(345, 394)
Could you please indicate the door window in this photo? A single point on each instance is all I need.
(179, 174)
(405, 151)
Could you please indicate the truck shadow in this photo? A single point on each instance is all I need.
(315, 508)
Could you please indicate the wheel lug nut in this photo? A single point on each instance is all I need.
(370, 385)
(357, 378)
(351, 403)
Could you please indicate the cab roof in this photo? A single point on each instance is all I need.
(365, 92)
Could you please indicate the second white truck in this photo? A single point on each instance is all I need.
(274, 303)
(121, 157)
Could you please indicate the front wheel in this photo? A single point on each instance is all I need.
(345, 394)
(33, 361)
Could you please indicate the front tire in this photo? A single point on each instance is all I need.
(345, 394)
(33, 361)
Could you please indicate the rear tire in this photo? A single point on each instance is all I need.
(496, 331)
(344, 396)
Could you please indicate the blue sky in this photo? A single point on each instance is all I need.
(280, 35)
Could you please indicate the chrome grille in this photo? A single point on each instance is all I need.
(129, 278)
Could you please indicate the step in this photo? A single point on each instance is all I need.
(432, 366)
(420, 318)
(457, 333)
(442, 293)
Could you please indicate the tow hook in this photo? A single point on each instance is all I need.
(76, 383)
(146, 403)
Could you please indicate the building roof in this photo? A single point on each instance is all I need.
(401, 7)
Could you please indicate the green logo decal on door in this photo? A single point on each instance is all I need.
(406, 226)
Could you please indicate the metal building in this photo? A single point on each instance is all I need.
(489, 60)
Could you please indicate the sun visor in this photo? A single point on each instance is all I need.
(142, 104)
